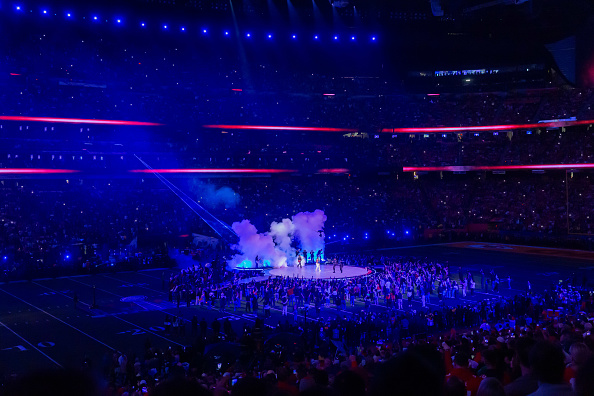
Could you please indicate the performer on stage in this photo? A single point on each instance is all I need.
(311, 256)
(299, 258)
(334, 264)
(318, 264)
(341, 265)
(257, 261)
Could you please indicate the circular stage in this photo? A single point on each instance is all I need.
(326, 272)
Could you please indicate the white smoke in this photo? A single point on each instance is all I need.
(304, 230)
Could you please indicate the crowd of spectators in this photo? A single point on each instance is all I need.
(79, 224)
(533, 342)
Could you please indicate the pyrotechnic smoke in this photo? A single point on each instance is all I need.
(212, 197)
(277, 245)
(281, 234)
(252, 244)
(308, 227)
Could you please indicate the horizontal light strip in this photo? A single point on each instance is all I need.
(500, 167)
(334, 170)
(278, 128)
(556, 124)
(76, 121)
(27, 171)
(213, 171)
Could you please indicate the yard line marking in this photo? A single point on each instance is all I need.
(107, 291)
(148, 331)
(32, 346)
(59, 292)
(144, 287)
(59, 320)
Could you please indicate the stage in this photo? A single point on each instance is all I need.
(326, 272)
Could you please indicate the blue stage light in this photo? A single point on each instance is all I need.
(406, 232)
(183, 29)
(373, 38)
(316, 37)
(248, 35)
(45, 11)
(204, 31)
(164, 26)
(142, 24)
(67, 256)
(5, 257)
(95, 18)
(119, 21)
(353, 38)
(294, 36)
(335, 37)
(18, 8)
(68, 15)
(270, 36)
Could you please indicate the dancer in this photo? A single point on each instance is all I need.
(318, 265)
(341, 265)
(299, 258)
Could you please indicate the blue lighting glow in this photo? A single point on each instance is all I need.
(353, 38)
(406, 232)
(294, 36)
(245, 264)
(226, 33)
(248, 35)
(18, 8)
(142, 24)
(335, 37)
(68, 15)
(67, 256)
(183, 29)
(373, 38)
(45, 11)
(204, 31)
(119, 21)
(164, 26)
(270, 36)
(5, 257)
(316, 37)
(95, 18)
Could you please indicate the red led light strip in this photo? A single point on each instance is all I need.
(334, 170)
(77, 121)
(500, 167)
(213, 171)
(27, 171)
(278, 128)
(489, 128)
